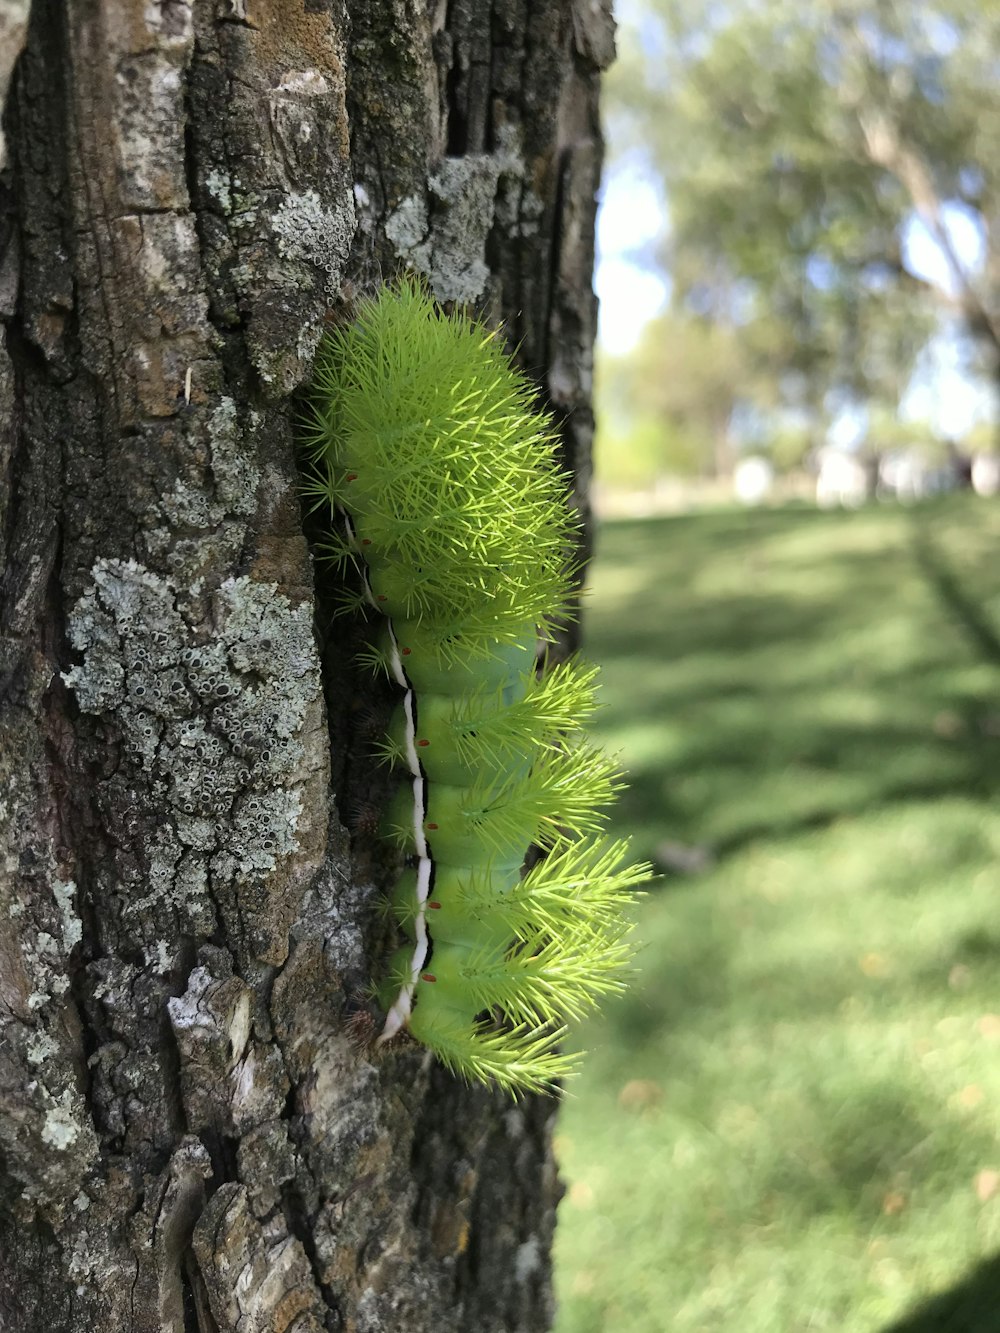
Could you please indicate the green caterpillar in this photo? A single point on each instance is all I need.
(442, 483)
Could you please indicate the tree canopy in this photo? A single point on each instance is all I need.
(800, 147)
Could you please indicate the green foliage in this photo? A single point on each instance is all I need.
(785, 1123)
(788, 446)
(632, 455)
(887, 432)
(672, 400)
(981, 439)
(795, 143)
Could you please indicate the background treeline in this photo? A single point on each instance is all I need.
(830, 178)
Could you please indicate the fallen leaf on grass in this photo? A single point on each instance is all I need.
(948, 724)
(639, 1094)
(681, 859)
(874, 965)
(580, 1194)
(970, 1096)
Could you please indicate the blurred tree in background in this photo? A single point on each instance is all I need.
(679, 391)
(799, 148)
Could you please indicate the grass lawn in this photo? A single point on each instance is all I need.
(792, 1121)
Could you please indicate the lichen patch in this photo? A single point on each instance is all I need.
(216, 725)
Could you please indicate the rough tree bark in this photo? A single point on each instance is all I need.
(190, 1140)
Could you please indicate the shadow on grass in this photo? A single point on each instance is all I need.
(972, 1306)
(868, 766)
(966, 610)
(736, 645)
(703, 987)
(850, 1155)
(782, 712)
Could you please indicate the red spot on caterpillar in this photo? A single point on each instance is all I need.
(428, 976)
(351, 476)
(423, 742)
(433, 826)
(436, 906)
(406, 651)
(381, 597)
(366, 541)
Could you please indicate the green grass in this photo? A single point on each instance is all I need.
(782, 1127)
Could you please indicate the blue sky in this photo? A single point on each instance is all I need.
(630, 215)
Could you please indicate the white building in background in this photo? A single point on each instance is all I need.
(986, 475)
(841, 480)
(909, 475)
(753, 480)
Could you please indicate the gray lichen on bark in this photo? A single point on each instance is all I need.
(221, 732)
(191, 1137)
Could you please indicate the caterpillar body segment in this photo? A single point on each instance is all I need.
(445, 485)
(502, 811)
(450, 661)
(459, 736)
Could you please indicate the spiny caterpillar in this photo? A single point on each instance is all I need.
(442, 484)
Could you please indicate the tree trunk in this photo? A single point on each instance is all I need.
(190, 1137)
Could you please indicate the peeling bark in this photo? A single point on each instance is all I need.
(191, 1136)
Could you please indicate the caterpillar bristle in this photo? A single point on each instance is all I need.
(348, 602)
(376, 660)
(423, 433)
(583, 882)
(566, 792)
(551, 977)
(550, 709)
(390, 751)
(361, 1029)
(315, 490)
(362, 817)
(518, 1060)
(585, 878)
(336, 552)
(369, 720)
(386, 909)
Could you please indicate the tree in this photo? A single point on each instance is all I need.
(800, 145)
(191, 1139)
(676, 395)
